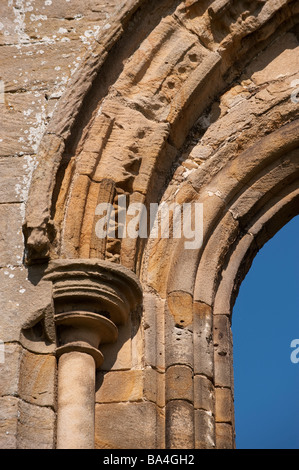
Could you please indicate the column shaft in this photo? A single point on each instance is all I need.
(76, 398)
(91, 298)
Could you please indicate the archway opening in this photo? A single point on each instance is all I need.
(265, 322)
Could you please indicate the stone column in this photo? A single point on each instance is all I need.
(91, 298)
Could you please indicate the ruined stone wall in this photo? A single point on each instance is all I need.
(42, 43)
(161, 102)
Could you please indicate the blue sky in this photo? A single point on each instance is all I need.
(265, 321)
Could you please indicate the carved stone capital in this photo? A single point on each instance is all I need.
(91, 298)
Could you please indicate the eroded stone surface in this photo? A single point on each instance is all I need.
(24, 294)
(38, 379)
(224, 405)
(203, 393)
(191, 92)
(10, 368)
(110, 391)
(179, 383)
(35, 427)
(8, 422)
(179, 425)
(140, 419)
(204, 430)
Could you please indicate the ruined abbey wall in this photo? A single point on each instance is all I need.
(161, 102)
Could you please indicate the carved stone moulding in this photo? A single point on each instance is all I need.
(91, 298)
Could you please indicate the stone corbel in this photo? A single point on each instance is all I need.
(38, 332)
(91, 299)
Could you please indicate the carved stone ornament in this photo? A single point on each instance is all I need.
(91, 298)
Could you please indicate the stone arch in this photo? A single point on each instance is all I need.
(222, 194)
(147, 105)
(246, 203)
(127, 131)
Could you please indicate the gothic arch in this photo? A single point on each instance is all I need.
(131, 123)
